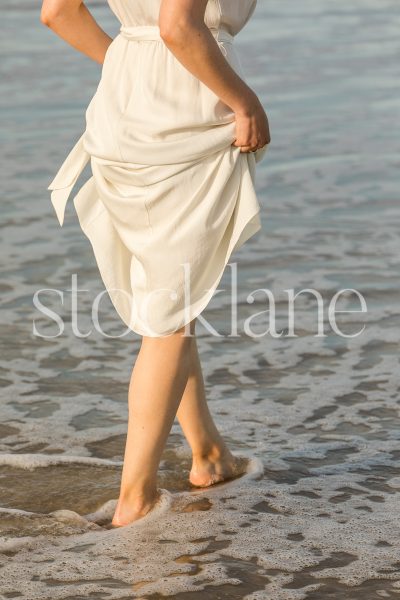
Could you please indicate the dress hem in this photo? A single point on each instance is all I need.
(250, 227)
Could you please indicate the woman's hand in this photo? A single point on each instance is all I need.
(252, 127)
(72, 21)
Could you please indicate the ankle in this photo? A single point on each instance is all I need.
(211, 453)
(138, 495)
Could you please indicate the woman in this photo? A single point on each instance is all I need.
(173, 134)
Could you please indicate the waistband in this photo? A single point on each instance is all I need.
(152, 32)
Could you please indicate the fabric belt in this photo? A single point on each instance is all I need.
(152, 32)
(67, 176)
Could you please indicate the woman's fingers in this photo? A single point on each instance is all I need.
(252, 131)
(248, 149)
(245, 146)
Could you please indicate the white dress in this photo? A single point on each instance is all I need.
(170, 198)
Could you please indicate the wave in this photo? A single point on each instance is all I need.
(35, 461)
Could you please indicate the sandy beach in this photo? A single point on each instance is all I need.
(317, 515)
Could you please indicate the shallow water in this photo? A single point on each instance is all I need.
(322, 413)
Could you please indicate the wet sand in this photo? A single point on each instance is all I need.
(321, 413)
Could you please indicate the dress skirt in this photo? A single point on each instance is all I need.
(170, 198)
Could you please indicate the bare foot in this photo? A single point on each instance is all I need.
(128, 511)
(207, 471)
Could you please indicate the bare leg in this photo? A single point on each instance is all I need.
(158, 380)
(211, 459)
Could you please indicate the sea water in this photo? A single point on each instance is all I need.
(321, 412)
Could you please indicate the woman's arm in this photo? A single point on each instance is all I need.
(72, 21)
(184, 32)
